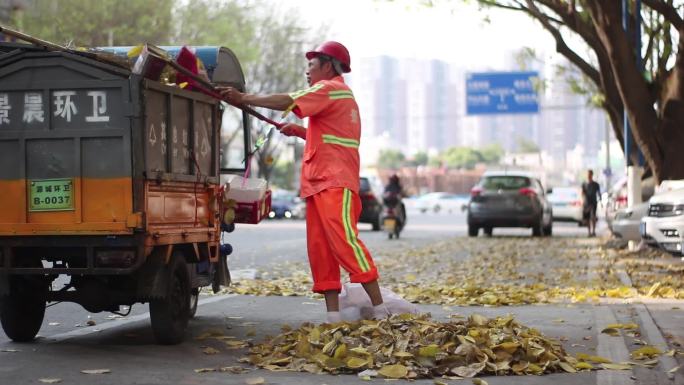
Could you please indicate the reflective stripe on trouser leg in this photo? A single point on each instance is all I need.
(351, 233)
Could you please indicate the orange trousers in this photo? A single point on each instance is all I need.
(332, 240)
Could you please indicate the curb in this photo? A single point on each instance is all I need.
(650, 328)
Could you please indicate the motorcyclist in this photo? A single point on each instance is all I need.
(392, 198)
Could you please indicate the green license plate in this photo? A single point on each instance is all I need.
(51, 195)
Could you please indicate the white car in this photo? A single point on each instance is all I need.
(663, 227)
(566, 203)
(440, 202)
(627, 221)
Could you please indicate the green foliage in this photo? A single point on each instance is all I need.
(391, 159)
(492, 153)
(461, 157)
(98, 22)
(419, 159)
(224, 23)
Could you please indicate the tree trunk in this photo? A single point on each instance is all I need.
(671, 127)
(633, 89)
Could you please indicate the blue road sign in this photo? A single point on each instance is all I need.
(490, 93)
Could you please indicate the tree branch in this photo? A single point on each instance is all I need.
(668, 11)
(561, 45)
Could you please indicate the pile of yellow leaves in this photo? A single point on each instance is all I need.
(414, 346)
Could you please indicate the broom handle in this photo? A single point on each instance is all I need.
(39, 42)
(213, 92)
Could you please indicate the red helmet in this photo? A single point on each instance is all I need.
(336, 51)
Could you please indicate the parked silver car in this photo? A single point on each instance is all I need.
(509, 199)
(627, 220)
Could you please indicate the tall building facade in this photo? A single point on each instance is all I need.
(419, 106)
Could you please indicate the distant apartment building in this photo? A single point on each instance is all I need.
(419, 106)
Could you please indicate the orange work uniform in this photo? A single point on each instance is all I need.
(330, 184)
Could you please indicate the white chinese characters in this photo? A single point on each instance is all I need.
(64, 106)
(99, 107)
(4, 108)
(33, 107)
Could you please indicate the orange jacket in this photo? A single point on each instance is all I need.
(331, 153)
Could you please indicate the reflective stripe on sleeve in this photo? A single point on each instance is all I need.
(341, 94)
(300, 93)
(332, 139)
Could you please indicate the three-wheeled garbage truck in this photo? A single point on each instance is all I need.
(110, 187)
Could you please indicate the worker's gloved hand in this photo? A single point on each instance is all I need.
(293, 130)
(231, 94)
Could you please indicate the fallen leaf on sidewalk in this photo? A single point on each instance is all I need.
(393, 371)
(54, 324)
(613, 332)
(10, 351)
(479, 381)
(596, 359)
(584, 366)
(616, 366)
(236, 344)
(50, 380)
(210, 351)
(646, 352)
(629, 326)
(210, 333)
(205, 370)
(674, 370)
(96, 371)
(653, 289)
(567, 367)
(255, 381)
(234, 369)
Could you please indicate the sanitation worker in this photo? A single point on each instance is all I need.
(330, 173)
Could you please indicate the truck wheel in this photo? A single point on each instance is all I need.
(488, 231)
(22, 311)
(473, 230)
(548, 230)
(170, 315)
(194, 301)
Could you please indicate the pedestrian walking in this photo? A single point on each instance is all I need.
(330, 173)
(591, 195)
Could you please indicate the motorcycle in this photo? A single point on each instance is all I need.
(394, 214)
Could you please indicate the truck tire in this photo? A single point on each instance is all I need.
(488, 231)
(473, 230)
(170, 315)
(22, 311)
